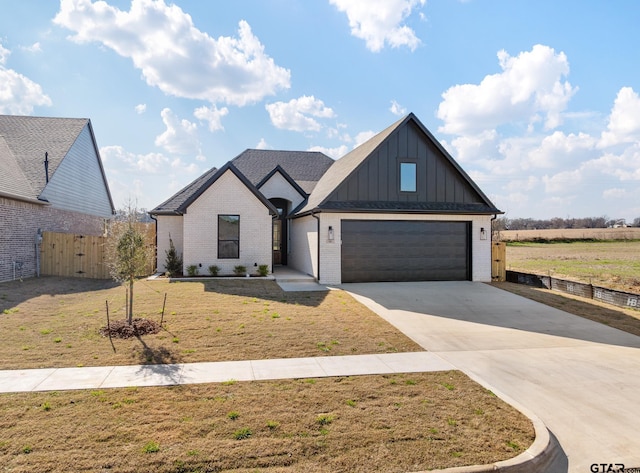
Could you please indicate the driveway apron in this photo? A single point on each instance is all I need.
(580, 377)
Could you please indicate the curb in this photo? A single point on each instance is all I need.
(540, 456)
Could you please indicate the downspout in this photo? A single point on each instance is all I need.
(38, 241)
(495, 216)
(156, 242)
(313, 214)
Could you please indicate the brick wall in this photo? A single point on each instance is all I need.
(303, 250)
(169, 226)
(19, 223)
(228, 195)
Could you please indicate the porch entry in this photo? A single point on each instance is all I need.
(280, 231)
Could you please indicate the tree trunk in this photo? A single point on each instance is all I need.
(130, 308)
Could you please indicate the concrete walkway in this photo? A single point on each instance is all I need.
(580, 377)
(59, 379)
(291, 280)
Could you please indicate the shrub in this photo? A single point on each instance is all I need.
(263, 270)
(240, 270)
(192, 270)
(214, 270)
(173, 263)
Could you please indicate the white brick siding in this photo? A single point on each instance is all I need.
(278, 187)
(303, 248)
(228, 195)
(330, 262)
(169, 226)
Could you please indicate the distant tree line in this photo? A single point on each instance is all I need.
(140, 215)
(504, 223)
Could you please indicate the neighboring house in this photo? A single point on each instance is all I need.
(396, 208)
(51, 179)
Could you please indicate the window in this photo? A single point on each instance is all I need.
(228, 236)
(407, 177)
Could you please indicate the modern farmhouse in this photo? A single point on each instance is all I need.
(396, 208)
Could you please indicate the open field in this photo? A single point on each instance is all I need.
(614, 264)
(391, 423)
(630, 233)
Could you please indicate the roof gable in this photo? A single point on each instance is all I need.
(303, 167)
(179, 202)
(29, 138)
(366, 179)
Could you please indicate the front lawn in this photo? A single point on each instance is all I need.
(387, 423)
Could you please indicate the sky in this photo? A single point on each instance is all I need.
(537, 100)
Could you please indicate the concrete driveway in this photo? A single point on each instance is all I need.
(580, 377)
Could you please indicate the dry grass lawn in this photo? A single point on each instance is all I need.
(54, 322)
(395, 423)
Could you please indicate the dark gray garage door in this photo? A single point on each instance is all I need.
(382, 250)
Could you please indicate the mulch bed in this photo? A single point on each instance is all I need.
(138, 327)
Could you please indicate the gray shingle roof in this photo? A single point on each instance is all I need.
(304, 167)
(174, 203)
(23, 143)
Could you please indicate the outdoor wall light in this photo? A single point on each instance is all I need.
(483, 234)
(330, 236)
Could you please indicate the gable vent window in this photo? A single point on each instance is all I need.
(228, 236)
(408, 176)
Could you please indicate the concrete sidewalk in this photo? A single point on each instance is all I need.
(60, 379)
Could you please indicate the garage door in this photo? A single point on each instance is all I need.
(383, 250)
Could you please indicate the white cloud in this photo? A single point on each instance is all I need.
(34, 48)
(180, 137)
(624, 121)
(380, 21)
(530, 88)
(151, 163)
(174, 55)
(141, 108)
(18, 94)
(262, 144)
(296, 115)
(397, 109)
(363, 136)
(334, 153)
(211, 115)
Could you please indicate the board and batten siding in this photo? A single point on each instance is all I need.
(78, 184)
(377, 179)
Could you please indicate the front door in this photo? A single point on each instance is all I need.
(277, 241)
(280, 231)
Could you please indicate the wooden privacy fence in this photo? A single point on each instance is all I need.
(82, 256)
(498, 261)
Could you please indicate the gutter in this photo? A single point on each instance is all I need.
(23, 199)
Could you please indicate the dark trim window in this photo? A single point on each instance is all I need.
(408, 177)
(228, 236)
